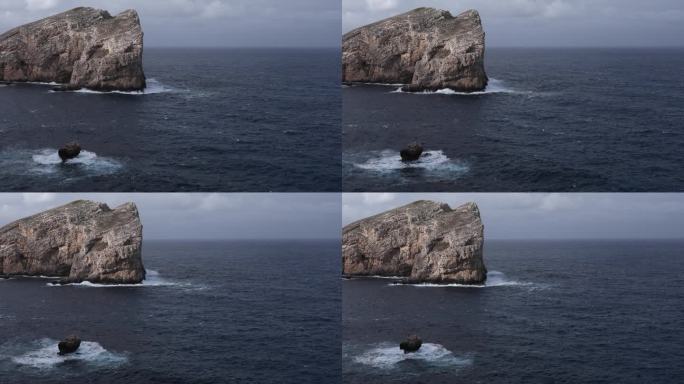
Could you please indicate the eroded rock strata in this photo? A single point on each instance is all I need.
(423, 242)
(80, 48)
(426, 49)
(80, 241)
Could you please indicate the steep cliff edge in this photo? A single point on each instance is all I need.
(423, 242)
(426, 49)
(80, 48)
(80, 241)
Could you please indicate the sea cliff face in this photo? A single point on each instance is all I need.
(80, 48)
(426, 49)
(424, 242)
(80, 241)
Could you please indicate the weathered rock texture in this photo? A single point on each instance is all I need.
(423, 242)
(80, 241)
(82, 48)
(427, 49)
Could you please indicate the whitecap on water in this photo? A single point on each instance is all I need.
(152, 279)
(48, 161)
(153, 87)
(494, 279)
(389, 160)
(388, 356)
(45, 355)
(493, 87)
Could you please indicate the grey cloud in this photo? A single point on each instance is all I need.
(549, 216)
(273, 23)
(205, 216)
(549, 22)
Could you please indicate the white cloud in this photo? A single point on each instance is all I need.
(264, 23)
(205, 216)
(549, 216)
(39, 5)
(38, 198)
(375, 198)
(381, 5)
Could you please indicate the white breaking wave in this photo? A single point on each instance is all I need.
(50, 162)
(385, 84)
(46, 355)
(387, 356)
(153, 87)
(374, 277)
(494, 279)
(152, 279)
(494, 86)
(389, 160)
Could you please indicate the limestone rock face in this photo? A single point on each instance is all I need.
(423, 242)
(81, 48)
(80, 241)
(427, 49)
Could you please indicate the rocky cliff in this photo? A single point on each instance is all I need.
(427, 49)
(423, 242)
(80, 241)
(81, 48)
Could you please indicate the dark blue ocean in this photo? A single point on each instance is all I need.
(210, 312)
(552, 312)
(248, 120)
(551, 120)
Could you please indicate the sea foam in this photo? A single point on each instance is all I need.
(434, 160)
(494, 279)
(48, 161)
(493, 87)
(153, 87)
(45, 355)
(388, 356)
(152, 279)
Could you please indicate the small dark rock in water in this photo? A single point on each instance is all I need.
(412, 344)
(69, 345)
(412, 152)
(69, 151)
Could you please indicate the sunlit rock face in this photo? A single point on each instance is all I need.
(423, 242)
(80, 48)
(427, 49)
(80, 241)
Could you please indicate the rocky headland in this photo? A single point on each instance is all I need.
(80, 48)
(80, 241)
(427, 49)
(423, 242)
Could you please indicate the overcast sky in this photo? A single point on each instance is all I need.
(272, 23)
(549, 22)
(205, 216)
(549, 216)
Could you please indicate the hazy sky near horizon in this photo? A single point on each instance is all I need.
(232, 23)
(549, 23)
(205, 215)
(548, 216)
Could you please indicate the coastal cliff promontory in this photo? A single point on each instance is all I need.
(80, 241)
(80, 48)
(427, 49)
(423, 242)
